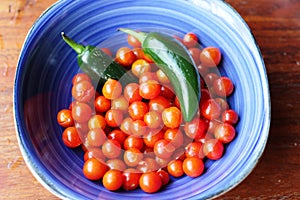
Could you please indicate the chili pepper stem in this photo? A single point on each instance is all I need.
(138, 35)
(77, 47)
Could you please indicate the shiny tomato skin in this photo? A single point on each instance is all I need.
(94, 169)
(125, 56)
(81, 112)
(172, 117)
(71, 138)
(150, 182)
(83, 91)
(230, 116)
(111, 149)
(64, 118)
(211, 110)
(213, 149)
(223, 86)
(112, 89)
(131, 177)
(224, 132)
(175, 168)
(112, 180)
(210, 56)
(193, 167)
(102, 104)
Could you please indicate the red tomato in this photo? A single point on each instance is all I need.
(117, 164)
(194, 149)
(196, 128)
(175, 168)
(147, 165)
(138, 128)
(132, 157)
(139, 53)
(171, 117)
(131, 92)
(112, 89)
(126, 125)
(211, 109)
(213, 149)
(223, 86)
(97, 121)
(224, 132)
(174, 136)
(150, 182)
(83, 91)
(190, 40)
(149, 89)
(165, 178)
(195, 53)
(132, 41)
(107, 51)
(158, 104)
(111, 149)
(120, 103)
(131, 177)
(230, 116)
(133, 142)
(210, 79)
(93, 169)
(102, 104)
(166, 91)
(118, 135)
(81, 77)
(153, 119)
(71, 138)
(140, 66)
(112, 180)
(152, 137)
(81, 112)
(125, 56)
(114, 117)
(193, 166)
(148, 76)
(163, 149)
(137, 110)
(162, 77)
(94, 153)
(96, 137)
(64, 118)
(210, 56)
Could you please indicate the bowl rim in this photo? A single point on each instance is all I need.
(55, 191)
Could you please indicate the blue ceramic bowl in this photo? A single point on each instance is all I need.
(47, 65)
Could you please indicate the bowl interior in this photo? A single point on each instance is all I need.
(47, 65)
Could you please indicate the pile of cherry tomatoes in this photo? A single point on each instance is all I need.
(134, 135)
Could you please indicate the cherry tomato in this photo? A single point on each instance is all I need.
(117, 164)
(112, 180)
(148, 164)
(125, 56)
(96, 137)
(133, 142)
(153, 119)
(131, 92)
(175, 168)
(150, 182)
(140, 66)
(118, 135)
(139, 53)
(137, 110)
(171, 117)
(230, 116)
(211, 109)
(126, 125)
(158, 104)
(97, 121)
(210, 78)
(195, 53)
(111, 148)
(165, 178)
(196, 128)
(223, 103)
(81, 112)
(114, 117)
(64, 118)
(131, 177)
(223, 86)
(163, 149)
(202, 69)
(162, 77)
(194, 149)
(148, 76)
(224, 132)
(174, 136)
(71, 138)
(132, 41)
(193, 166)
(167, 92)
(213, 149)
(152, 137)
(132, 157)
(138, 128)
(112, 89)
(94, 152)
(210, 56)
(81, 77)
(93, 169)
(120, 103)
(83, 91)
(190, 40)
(149, 89)
(102, 104)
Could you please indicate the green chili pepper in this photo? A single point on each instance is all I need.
(98, 65)
(174, 60)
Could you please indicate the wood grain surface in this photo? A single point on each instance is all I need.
(276, 26)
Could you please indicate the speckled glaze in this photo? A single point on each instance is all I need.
(46, 66)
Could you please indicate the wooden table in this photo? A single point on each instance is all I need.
(276, 26)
